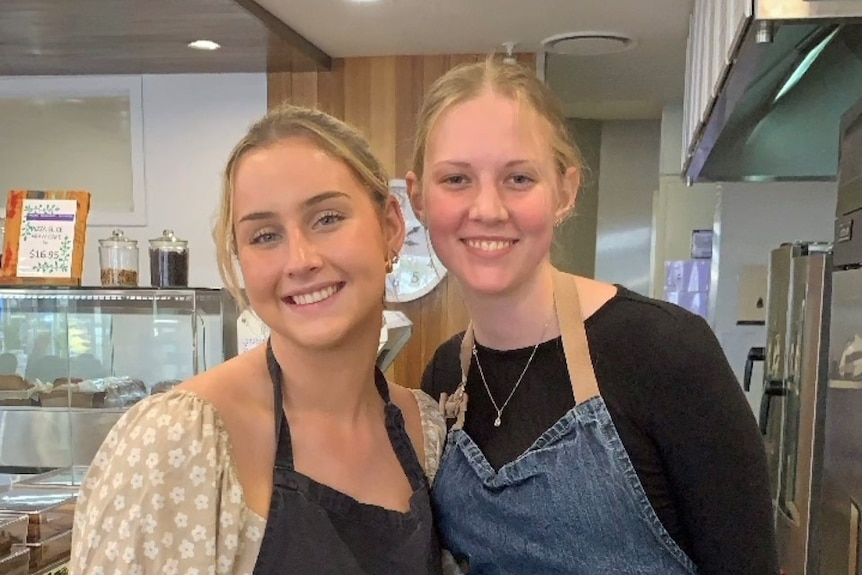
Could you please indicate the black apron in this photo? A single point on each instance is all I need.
(312, 528)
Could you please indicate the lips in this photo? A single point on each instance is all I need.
(314, 296)
(495, 245)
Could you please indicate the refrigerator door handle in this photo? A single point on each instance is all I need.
(771, 388)
(755, 354)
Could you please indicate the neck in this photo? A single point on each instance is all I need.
(517, 318)
(337, 381)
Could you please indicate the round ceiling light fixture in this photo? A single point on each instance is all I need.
(588, 43)
(204, 45)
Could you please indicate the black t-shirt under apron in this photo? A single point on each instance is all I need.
(677, 406)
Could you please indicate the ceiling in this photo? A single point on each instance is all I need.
(50, 37)
(633, 84)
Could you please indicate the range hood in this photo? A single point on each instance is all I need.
(796, 70)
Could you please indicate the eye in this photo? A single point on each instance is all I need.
(263, 237)
(455, 180)
(522, 180)
(328, 219)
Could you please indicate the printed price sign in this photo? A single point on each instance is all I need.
(46, 238)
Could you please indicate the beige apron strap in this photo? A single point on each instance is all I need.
(455, 406)
(466, 352)
(574, 336)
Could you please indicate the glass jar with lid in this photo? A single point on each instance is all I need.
(169, 261)
(118, 260)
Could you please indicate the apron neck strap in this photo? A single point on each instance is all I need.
(573, 335)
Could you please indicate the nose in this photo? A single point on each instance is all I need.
(302, 255)
(488, 205)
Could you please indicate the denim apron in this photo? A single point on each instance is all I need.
(571, 504)
(312, 528)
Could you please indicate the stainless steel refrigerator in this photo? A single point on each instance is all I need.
(791, 418)
(842, 488)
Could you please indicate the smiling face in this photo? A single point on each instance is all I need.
(490, 192)
(310, 242)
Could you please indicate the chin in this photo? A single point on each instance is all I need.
(319, 337)
(488, 284)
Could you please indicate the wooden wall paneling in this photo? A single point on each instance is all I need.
(357, 94)
(383, 115)
(304, 89)
(381, 96)
(330, 89)
(279, 87)
(411, 90)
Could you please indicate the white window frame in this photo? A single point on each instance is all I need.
(130, 87)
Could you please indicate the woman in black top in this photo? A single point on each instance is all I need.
(592, 431)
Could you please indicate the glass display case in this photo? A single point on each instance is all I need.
(72, 360)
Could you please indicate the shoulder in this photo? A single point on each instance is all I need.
(242, 380)
(632, 316)
(443, 372)
(648, 354)
(433, 431)
(164, 470)
(425, 425)
(161, 438)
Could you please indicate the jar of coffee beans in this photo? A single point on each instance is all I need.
(169, 261)
(118, 260)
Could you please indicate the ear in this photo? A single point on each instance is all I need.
(394, 230)
(414, 192)
(571, 183)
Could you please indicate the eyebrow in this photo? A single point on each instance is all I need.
(313, 200)
(462, 164)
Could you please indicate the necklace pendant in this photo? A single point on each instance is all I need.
(497, 422)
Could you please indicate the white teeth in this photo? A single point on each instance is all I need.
(487, 246)
(314, 297)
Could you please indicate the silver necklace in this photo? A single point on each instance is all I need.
(499, 409)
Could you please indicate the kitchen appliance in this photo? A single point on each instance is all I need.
(842, 486)
(791, 410)
(767, 84)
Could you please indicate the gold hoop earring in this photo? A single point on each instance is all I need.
(391, 261)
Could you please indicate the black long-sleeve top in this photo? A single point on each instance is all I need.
(677, 407)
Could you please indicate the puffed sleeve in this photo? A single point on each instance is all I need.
(433, 431)
(162, 496)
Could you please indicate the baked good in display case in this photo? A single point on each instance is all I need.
(102, 392)
(166, 385)
(50, 511)
(13, 530)
(17, 562)
(48, 551)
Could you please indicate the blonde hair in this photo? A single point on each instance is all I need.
(330, 134)
(508, 79)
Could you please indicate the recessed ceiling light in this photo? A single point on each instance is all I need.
(204, 45)
(588, 43)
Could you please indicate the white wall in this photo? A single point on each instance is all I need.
(628, 177)
(191, 122)
(670, 162)
(752, 220)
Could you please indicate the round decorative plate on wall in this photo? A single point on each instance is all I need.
(418, 270)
